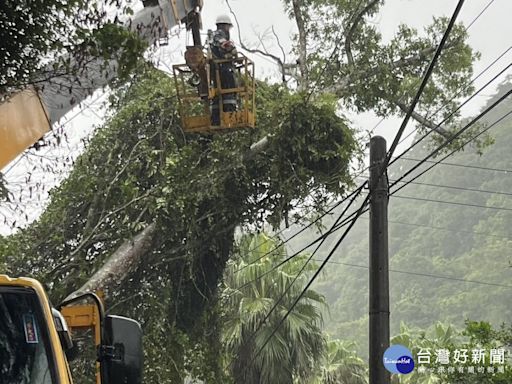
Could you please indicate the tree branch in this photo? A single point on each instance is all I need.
(279, 44)
(342, 83)
(422, 120)
(299, 19)
(348, 39)
(255, 50)
(419, 57)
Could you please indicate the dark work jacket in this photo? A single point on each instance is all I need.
(219, 37)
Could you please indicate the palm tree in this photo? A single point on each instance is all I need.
(437, 336)
(252, 288)
(341, 365)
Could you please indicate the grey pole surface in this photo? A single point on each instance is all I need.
(379, 270)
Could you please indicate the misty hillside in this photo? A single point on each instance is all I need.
(431, 240)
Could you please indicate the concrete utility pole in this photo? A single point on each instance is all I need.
(379, 270)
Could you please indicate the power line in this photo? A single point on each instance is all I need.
(425, 275)
(460, 132)
(451, 113)
(339, 226)
(386, 162)
(313, 278)
(303, 268)
(384, 167)
(393, 184)
(423, 84)
(480, 14)
(456, 95)
(335, 227)
(471, 82)
(337, 204)
(355, 192)
(445, 229)
(452, 203)
(456, 188)
(331, 209)
(461, 165)
(464, 88)
(435, 228)
(483, 113)
(453, 187)
(501, 99)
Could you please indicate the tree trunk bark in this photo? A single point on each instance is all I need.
(118, 266)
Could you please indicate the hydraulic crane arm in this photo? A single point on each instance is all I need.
(29, 114)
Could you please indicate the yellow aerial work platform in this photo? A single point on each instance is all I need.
(197, 92)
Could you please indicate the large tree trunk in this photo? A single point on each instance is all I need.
(213, 258)
(124, 260)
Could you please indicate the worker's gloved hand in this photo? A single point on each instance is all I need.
(228, 45)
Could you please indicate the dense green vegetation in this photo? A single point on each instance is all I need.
(429, 238)
(439, 340)
(141, 170)
(255, 285)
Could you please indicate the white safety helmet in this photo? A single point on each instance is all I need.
(223, 19)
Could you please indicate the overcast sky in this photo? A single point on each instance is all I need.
(490, 35)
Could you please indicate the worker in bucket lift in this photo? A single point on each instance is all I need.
(223, 48)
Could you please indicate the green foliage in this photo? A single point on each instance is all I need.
(341, 365)
(428, 238)
(477, 335)
(482, 336)
(310, 146)
(253, 285)
(435, 337)
(113, 41)
(63, 33)
(140, 168)
(347, 56)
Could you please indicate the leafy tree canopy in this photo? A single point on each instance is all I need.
(44, 39)
(140, 169)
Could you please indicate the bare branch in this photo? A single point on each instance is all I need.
(279, 44)
(423, 120)
(260, 39)
(255, 50)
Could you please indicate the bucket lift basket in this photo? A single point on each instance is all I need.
(197, 92)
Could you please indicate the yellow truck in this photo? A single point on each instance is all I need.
(36, 338)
